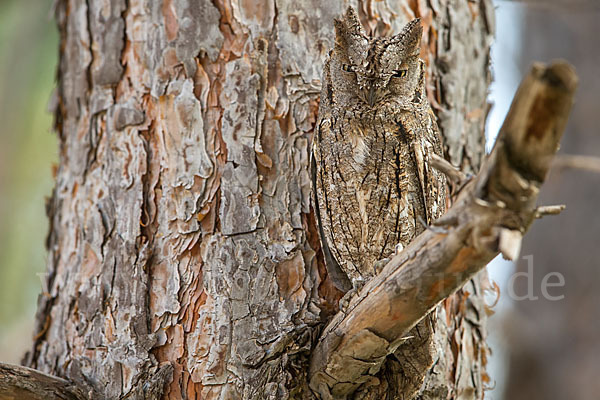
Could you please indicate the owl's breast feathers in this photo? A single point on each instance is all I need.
(372, 184)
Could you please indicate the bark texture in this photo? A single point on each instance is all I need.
(182, 240)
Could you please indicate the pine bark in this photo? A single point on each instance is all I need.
(183, 256)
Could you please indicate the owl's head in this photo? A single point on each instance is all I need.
(366, 71)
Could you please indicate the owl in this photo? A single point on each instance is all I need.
(374, 187)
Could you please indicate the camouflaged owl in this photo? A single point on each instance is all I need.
(374, 138)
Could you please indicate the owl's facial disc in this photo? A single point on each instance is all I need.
(368, 71)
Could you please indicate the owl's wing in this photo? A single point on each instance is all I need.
(423, 136)
(434, 181)
(338, 276)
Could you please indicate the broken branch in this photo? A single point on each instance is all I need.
(543, 211)
(453, 173)
(18, 382)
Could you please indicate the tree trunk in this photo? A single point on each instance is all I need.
(183, 252)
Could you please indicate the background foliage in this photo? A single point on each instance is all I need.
(28, 58)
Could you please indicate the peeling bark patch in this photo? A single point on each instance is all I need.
(305, 32)
(235, 332)
(75, 61)
(239, 210)
(192, 145)
(124, 116)
(165, 285)
(171, 24)
(180, 31)
(198, 30)
(185, 163)
(108, 31)
(258, 16)
(294, 25)
(290, 276)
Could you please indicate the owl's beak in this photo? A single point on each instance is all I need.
(371, 96)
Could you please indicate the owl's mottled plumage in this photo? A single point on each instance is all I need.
(375, 134)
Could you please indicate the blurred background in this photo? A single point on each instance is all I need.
(543, 347)
(547, 346)
(28, 148)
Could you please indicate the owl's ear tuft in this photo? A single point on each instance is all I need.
(348, 25)
(351, 17)
(410, 37)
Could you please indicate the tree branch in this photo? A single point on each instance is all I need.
(589, 163)
(453, 173)
(490, 215)
(543, 211)
(18, 382)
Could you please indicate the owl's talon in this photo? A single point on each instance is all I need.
(344, 302)
(432, 228)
